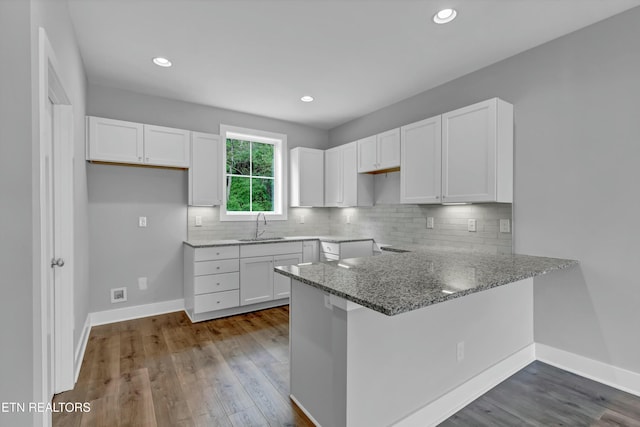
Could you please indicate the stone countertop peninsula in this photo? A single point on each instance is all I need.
(231, 242)
(396, 283)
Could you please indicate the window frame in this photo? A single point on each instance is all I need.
(280, 194)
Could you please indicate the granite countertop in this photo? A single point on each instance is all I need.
(231, 242)
(396, 283)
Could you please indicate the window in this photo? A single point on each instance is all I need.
(254, 172)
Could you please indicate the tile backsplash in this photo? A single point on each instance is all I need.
(397, 224)
(392, 223)
(316, 223)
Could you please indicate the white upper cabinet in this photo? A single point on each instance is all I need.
(477, 153)
(204, 173)
(379, 152)
(166, 146)
(120, 141)
(306, 177)
(367, 154)
(420, 170)
(115, 141)
(333, 177)
(344, 186)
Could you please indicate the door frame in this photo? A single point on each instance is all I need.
(50, 86)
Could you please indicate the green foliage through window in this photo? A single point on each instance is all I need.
(250, 176)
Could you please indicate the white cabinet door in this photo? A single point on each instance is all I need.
(310, 251)
(256, 280)
(166, 146)
(282, 284)
(204, 173)
(420, 167)
(333, 177)
(473, 139)
(388, 149)
(357, 187)
(115, 141)
(306, 177)
(368, 154)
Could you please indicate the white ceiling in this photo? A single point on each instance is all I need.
(353, 56)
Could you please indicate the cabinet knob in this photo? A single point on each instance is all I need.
(437, 197)
(217, 302)
(217, 268)
(139, 159)
(217, 253)
(218, 284)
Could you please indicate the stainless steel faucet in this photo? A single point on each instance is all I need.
(258, 223)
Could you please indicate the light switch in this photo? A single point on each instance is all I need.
(348, 219)
(198, 221)
(301, 219)
(142, 221)
(471, 225)
(505, 226)
(142, 283)
(429, 222)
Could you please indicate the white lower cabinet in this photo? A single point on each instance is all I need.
(310, 251)
(226, 280)
(282, 284)
(335, 251)
(256, 279)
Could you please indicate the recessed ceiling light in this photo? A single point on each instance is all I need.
(444, 16)
(162, 62)
(306, 98)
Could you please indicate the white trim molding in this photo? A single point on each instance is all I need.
(442, 408)
(304, 410)
(135, 312)
(82, 347)
(601, 372)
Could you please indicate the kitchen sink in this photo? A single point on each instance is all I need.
(259, 239)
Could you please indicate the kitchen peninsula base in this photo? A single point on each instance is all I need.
(354, 366)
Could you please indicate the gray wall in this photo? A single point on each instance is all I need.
(16, 271)
(120, 251)
(19, 261)
(576, 176)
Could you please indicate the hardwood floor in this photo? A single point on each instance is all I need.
(166, 371)
(231, 372)
(542, 395)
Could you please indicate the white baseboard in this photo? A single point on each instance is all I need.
(303, 409)
(82, 346)
(442, 408)
(136, 312)
(604, 373)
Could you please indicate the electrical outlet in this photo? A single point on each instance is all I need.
(142, 221)
(327, 302)
(118, 295)
(142, 283)
(348, 219)
(429, 222)
(301, 219)
(471, 225)
(460, 351)
(505, 226)
(198, 221)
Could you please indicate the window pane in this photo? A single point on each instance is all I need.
(238, 160)
(262, 159)
(238, 194)
(262, 194)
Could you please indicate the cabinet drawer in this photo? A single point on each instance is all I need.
(216, 301)
(216, 283)
(216, 253)
(215, 267)
(330, 248)
(267, 249)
